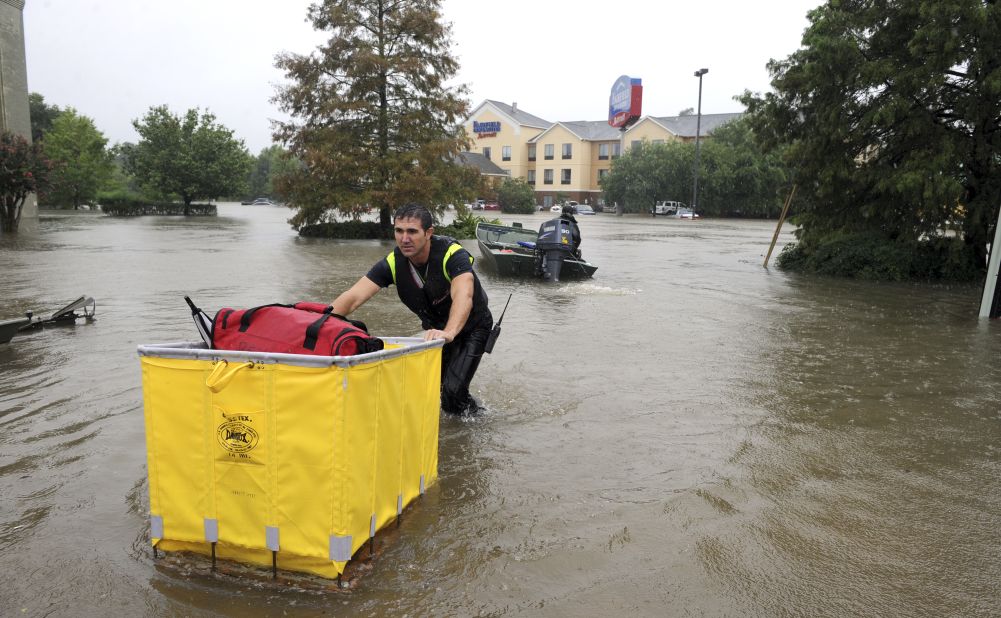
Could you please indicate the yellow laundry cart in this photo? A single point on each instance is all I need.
(286, 460)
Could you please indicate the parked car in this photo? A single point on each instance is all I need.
(584, 209)
(491, 206)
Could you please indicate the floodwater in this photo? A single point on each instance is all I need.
(686, 434)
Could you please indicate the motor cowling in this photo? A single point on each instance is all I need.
(555, 235)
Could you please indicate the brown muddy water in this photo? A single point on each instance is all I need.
(687, 434)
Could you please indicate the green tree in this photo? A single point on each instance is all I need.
(891, 114)
(648, 173)
(373, 117)
(42, 115)
(516, 196)
(82, 165)
(23, 171)
(272, 162)
(737, 177)
(191, 156)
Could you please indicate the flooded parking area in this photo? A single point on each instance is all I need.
(687, 433)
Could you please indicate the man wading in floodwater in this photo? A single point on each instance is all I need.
(434, 278)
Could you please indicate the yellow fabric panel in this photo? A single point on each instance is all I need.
(389, 441)
(307, 408)
(361, 415)
(430, 372)
(175, 401)
(242, 436)
(414, 383)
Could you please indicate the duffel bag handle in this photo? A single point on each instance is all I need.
(249, 313)
(222, 374)
(315, 307)
(321, 308)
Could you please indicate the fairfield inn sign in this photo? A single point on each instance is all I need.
(486, 129)
(625, 103)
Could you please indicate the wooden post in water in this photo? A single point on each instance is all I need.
(778, 228)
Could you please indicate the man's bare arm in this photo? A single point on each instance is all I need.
(355, 296)
(462, 304)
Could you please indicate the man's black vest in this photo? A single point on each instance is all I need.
(427, 291)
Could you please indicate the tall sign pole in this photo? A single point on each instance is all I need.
(698, 128)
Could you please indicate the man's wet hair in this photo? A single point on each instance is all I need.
(415, 211)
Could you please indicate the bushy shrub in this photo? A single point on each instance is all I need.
(875, 257)
(464, 225)
(346, 230)
(132, 207)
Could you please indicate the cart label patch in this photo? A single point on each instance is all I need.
(239, 438)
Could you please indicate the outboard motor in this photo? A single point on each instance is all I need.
(553, 245)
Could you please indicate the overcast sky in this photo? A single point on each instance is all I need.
(114, 59)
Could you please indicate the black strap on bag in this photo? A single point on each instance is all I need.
(313, 331)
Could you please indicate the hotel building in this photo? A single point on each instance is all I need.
(569, 157)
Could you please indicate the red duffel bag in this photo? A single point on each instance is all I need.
(302, 328)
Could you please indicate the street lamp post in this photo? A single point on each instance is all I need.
(698, 127)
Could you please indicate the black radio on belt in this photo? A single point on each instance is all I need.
(495, 331)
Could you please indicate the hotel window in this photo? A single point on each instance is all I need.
(567, 151)
(549, 152)
(531, 177)
(547, 177)
(486, 152)
(636, 144)
(564, 176)
(602, 152)
(616, 150)
(658, 141)
(531, 152)
(602, 174)
(505, 153)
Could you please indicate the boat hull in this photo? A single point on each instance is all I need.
(501, 254)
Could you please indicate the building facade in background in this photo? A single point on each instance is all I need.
(567, 159)
(15, 115)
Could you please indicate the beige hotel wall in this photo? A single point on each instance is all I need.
(649, 131)
(579, 163)
(513, 135)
